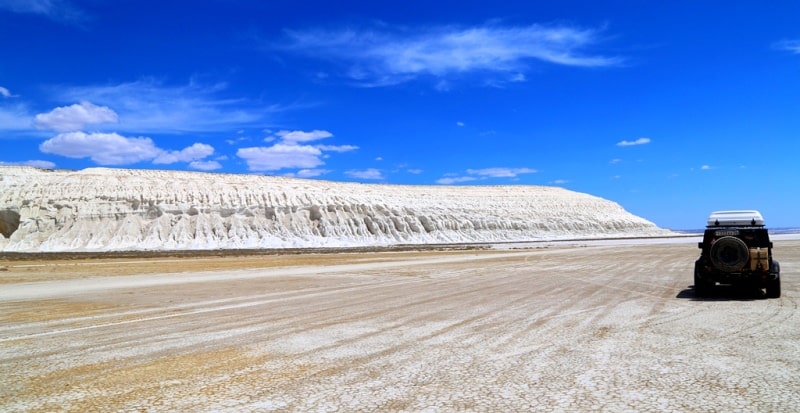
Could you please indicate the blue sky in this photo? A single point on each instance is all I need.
(672, 109)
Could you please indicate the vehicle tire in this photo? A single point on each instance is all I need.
(774, 286)
(729, 254)
(701, 288)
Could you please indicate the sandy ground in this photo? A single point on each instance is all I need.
(561, 328)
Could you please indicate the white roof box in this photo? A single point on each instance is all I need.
(735, 218)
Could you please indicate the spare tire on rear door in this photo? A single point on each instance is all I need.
(729, 254)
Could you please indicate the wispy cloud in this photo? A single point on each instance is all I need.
(301, 136)
(33, 163)
(501, 172)
(6, 93)
(57, 10)
(386, 56)
(370, 173)
(450, 180)
(291, 150)
(640, 141)
(148, 106)
(309, 173)
(792, 46)
(205, 165)
(15, 117)
(486, 173)
(336, 148)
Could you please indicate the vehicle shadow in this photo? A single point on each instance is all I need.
(724, 293)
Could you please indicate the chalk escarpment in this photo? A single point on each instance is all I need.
(102, 209)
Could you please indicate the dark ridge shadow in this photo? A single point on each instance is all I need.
(724, 293)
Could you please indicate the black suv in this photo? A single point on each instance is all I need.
(736, 250)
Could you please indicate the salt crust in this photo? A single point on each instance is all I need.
(101, 209)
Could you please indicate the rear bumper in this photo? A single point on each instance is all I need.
(759, 278)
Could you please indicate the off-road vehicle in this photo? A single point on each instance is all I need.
(736, 250)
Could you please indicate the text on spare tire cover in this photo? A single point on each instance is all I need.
(726, 233)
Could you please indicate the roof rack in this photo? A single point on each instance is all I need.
(735, 219)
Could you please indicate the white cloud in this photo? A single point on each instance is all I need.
(501, 172)
(706, 167)
(301, 136)
(192, 153)
(459, 123)
(310, 173)
(237, 140)
(792, 46)
(385, 56)
(205, 165)
(296, 137)
(485, 173)
(148, 106)
(145, 107)
(33, 163)
(6, 93)
(102, 148)
(115, 149)
(370, 173)
(640, 141)
(336, 148)
(454, 180)
(281, 156)
(75, 117)
(615, 161)
(560, 182)
(414, 171)
(287, 153)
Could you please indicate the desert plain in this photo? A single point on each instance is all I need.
(540, 327)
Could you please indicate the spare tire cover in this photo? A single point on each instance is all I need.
(729, 254)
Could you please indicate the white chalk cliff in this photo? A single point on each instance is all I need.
(102, 209)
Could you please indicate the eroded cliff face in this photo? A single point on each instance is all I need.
(118, 209)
